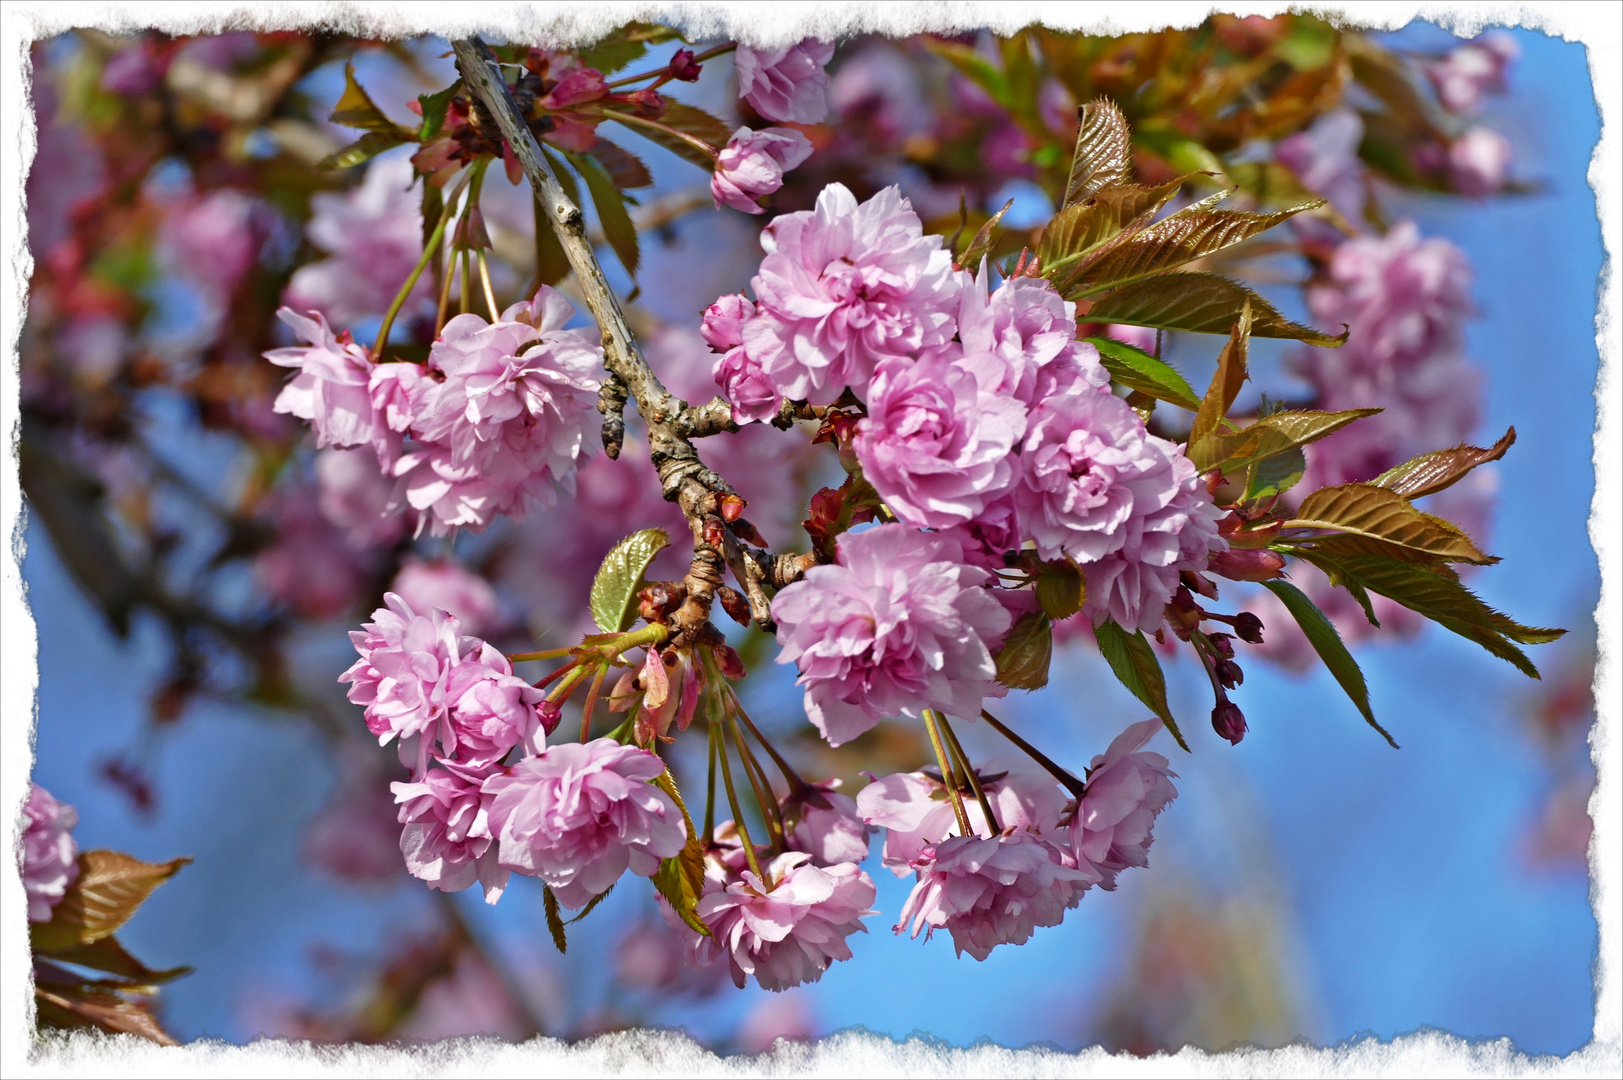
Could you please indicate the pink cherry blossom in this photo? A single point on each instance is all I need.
(492, 710)
(722, 325)
(355, 497)
(1478, 161)
(50, 855)
(787, 934)
(307, 566)
(652, 956)
(876, 92)
(827, 825)
(1020, 341)
(1127, 789)
(936, 447)
(841, 288)
(579, 815)
(752, 164)
(899, 624)
(448, 841)
(785, 84)
(214, 239)
(330, 391)
(915, 812)
(448, 586)
(1325, 159)
(355, 836)
(1475, 68)
(990, 891)
(404, 673)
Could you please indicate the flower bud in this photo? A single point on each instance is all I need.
(730, 663)
(1248, 627)
(650, 103)
(683, 68)
(734, 604)
(752, 165)
(1228, 721)
(1222, 644)
(1229, 673)
(550, 713)
(1247, 564)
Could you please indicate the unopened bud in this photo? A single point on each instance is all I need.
(734, 604)
(1229, 722)
(550, 713)
(713, 532)
(732, 507)
(1247, 564)
(730, 663)
(1229, 674)
(649, 103)
(1248, 627)
(683, 68)
(1222, 644)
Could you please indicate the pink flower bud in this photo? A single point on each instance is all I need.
(1478, 161)
(752, 165)
(683, 68)
(1229, 722)
(723, 322)
(574, 88)
(1246, 564)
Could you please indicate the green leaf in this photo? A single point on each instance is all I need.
(612, 214)
(1364, 513)
(434, 110)
(1321, 634)
(680, 879)
(1061, 589)
(1181, 152)
(1275, 475)
(624, 168)
(624, 46)
(1022, 663)
(1183, 237)
(1138, 370)
(1230, 451)
(357, 110)
(1230, 375)
(1431, 473)
(110, 886)
(1076, 230)
(1197, 302)
(1104, 152)
(1133, 661)
(984, 240)
(973, 66)
(365, 148)
(1438, 597)
(614, 591)
(555, 919)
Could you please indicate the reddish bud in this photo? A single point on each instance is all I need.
(550, 713)
(1229, 722)
(1222, 644)
(1248, 627)
(650, 103)
(713, 532)
(730, 663)
(732, 508)
(1247, 564)
(683, 68)
(734, 604)
(1229, 674)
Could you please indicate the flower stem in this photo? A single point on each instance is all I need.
(416, 272)
(1066, 779)
(633, 120)
(591, 703)
(708, 54)
(738, 810)
(763, 790)
(974, 780)
(545, 654)
(789, 774)
(466, 283)
(710, 792)
(947, 774)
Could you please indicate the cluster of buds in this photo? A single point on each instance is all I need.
(1215, 648)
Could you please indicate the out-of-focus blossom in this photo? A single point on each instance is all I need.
(898, 625)
(1473, 69)
(990, 891)
(781, 1016)
(579, 815)
(844, 286)
(214, 239)
(876, 91)
(1325, 159)
(307, 566)
(1141, 338)
(752, 164)
(471, 1000)
(787, 934)
(50, 855)
(827, 825)
(373, 235)
(651, 956)
(1478, 162)
(449, 586)
(448, 841)
(355, 837)
(355, 497)
(136, 69)
(1127, 789)
(786, 84)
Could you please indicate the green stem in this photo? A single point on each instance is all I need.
(789, 774)
(545, 654)
(490, 293)
(466, 283)
(738, 812)
(1064, 776)
(947, 775)
(763, 790)
(701, 58)
(631, 119)
(974, 780)
(710, 792)
(416, 272)
(591, 704)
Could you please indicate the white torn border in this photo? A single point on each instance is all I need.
(1430, 1053)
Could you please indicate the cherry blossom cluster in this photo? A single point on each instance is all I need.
(50, 854)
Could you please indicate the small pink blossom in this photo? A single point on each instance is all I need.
(786, 84)
(1325, 159)
(990, 891)
(899, 624)
(827, 825)
(448, 841)
(330, 391)
(404, 673)
(1478, 162)
(448, 586)
(752, 164)
(1127, 789)
(579, 815)
(492, 710)
(844, 286)
(307, 566)
(356, 498)
(355, 836)
(214, 239)
(787, 934)
(50, 855)
(1473, 69)
(746, 386)
(722, 325)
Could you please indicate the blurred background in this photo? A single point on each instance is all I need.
(1310, 883)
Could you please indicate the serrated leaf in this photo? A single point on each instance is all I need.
(1226, 381)
(1200, 303)
(1138, 370)
(1322, 635)
(110, 886)
(357, 110)
(624, 168)
(364, 149)
(625, 45)
(1022, 662)
(1079, 228)
(1363, 513)
(1275, 475)
(590, 904)
(435, 107)
(1230, 451)
(1181, 238)
(1103, 157)
(555, 919)
(1061, 589)
(680, 879)
(66, 1002)
(612, 214)
(1132, 659)
(1431, 473)
(984, 240)
(614, 591)
(1438, 597)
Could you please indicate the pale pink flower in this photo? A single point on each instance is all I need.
(1020, 341)
(50, 855)
(915, 811)
(404, 673)
(746, 386)
(722, 325)
(842, 287)
(786, 1016)
(899, 624)
(989, 891)
(827, 825)
(1325, 159)
(307, 566)
(788, 934)
(579, 815)
(936, 447)
(492, 710)
(1127, 789)
(448, 586)
(1473, 69)
(785, 84)
(330, 391)
(752, 164)
(448, 841)
(876, 91)
(1478, 162)
(356, 498)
